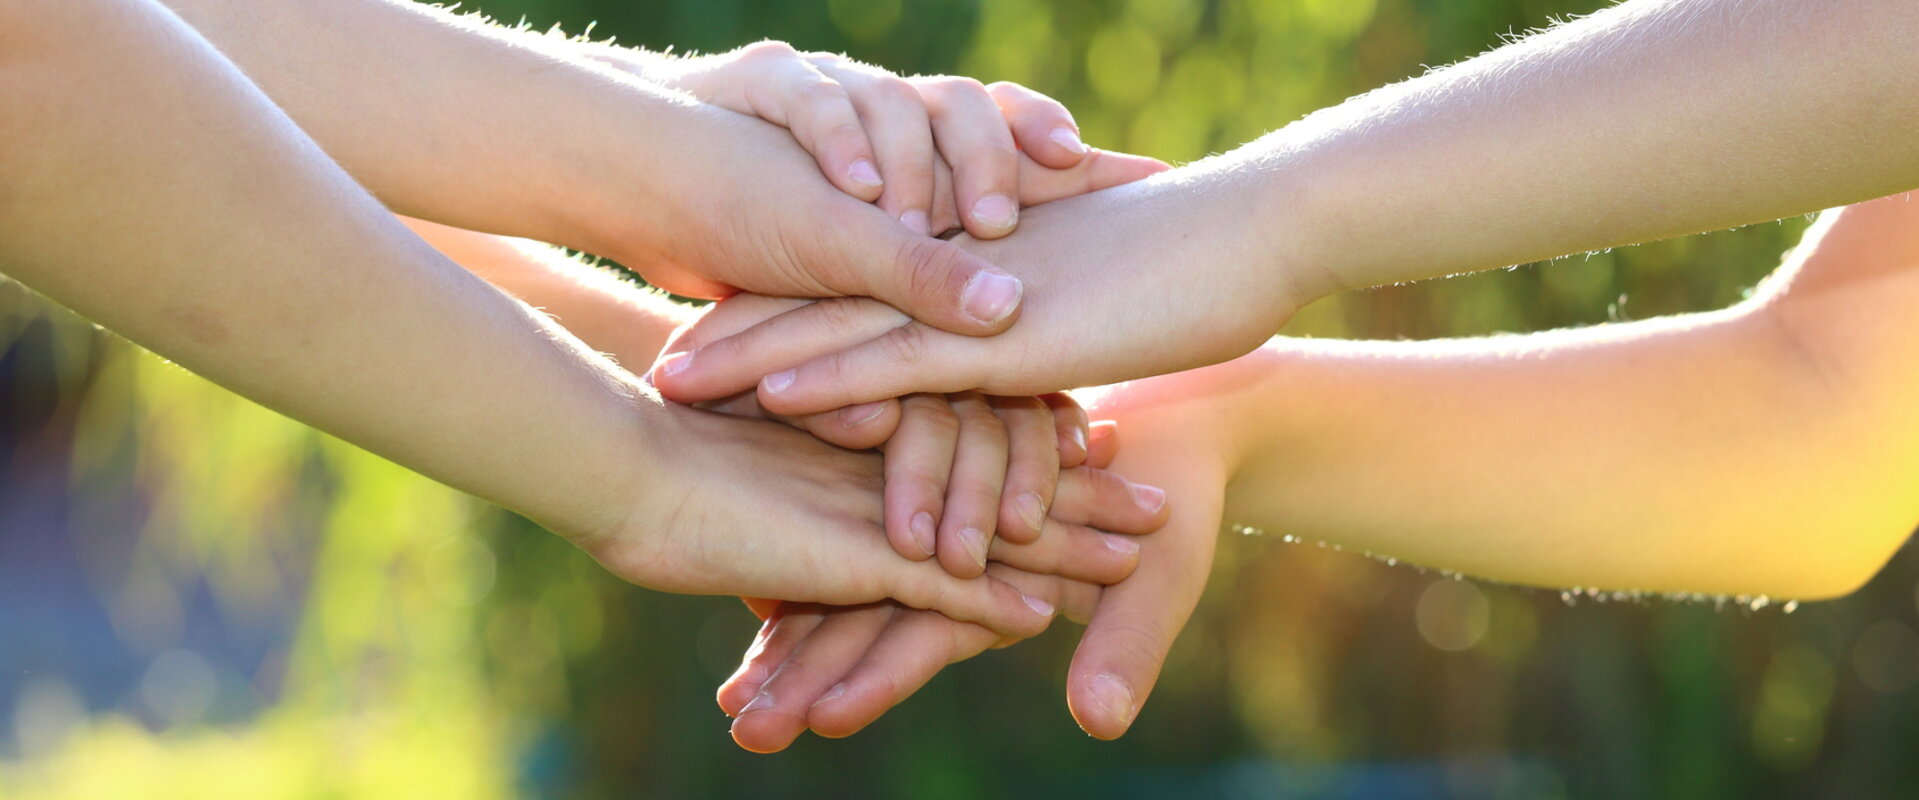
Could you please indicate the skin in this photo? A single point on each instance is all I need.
(1649, 119)
(1687, 454)
(507, 132)
(296, 288)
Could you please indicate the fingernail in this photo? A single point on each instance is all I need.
(1150, 498)
(761, 702)
(676, 363)
(778, 381)
(1069, 139)
(1031, 509)
(1102, 429)
(990, 296)
(1040, 607)
(1079, 437)
(831, 694)
(975, 544)
(923, 531)
(996, 210)
(1124, 545)
(853, 416)
(862, 171)
(1114, 698)
(915, 221)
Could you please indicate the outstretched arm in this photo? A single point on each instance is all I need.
(1650, 119)
(1764, 450)
(156, 191)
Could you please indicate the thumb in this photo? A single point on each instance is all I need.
(1125, 645)
(932, 280)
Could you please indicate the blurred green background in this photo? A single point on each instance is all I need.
(199, 598)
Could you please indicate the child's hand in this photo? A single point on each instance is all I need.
(836, 670)
(890, 140)
(960, 467)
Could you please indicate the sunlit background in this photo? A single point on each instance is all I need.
(201, 599)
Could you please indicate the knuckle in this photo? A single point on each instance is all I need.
(836, 313)
(904, 345)
(894, 89)
(926, 264)
(823, 89)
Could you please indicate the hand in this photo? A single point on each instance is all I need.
(1142, 279)
(837, 670)
(887, 139)
(701, 527)
(959, 468)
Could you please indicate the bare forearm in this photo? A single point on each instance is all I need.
(1761, 450)
(1651, 119)
(152, 189)
(619, 319)
(447, 118)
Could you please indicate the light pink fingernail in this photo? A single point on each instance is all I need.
(854, 416)
(991, 295)
(1040, 607)
(779, 381)
(838, 690)
(923, 531)
(1124, 545)
(761, 702)
(1079, 437)
(974, 542)
(1150, 498)
(1032, 510)
(677, 363)
(1069, 139)
(915, 221)
(862, 171)
(1114, 697)
(996, 210)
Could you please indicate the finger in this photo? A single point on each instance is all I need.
(918, 464)
(1073, 551)
(935, 281)
(1102, 443)
(1125, 645)
(1042, 127)
(974, 139)
(987, 601)
(858, 427)
(912, 649)
(782, 88)
(777, 713)
(1106, 501)
(916, 645)
(1101, 169)
(909, 358)
(728, 317)
(1032, 466)
(901, 133)
(723, 364)
(778, 635)
(974, 488)
(1070, 420)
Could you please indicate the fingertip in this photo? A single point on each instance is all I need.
(992, 216)
(992, 297)
(1104, 705)
(1102, 443)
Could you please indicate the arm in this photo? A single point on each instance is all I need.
(1768, 449)
(514, 133)
(1650, 119)
(154, 190)
(1785, 450)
